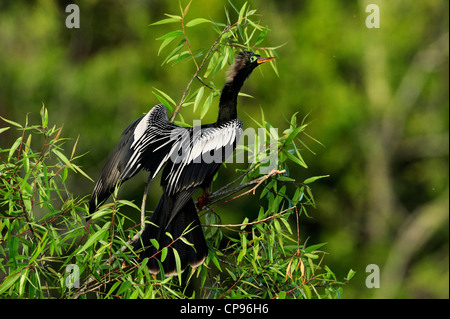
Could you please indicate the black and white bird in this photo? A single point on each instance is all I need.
(189, 157)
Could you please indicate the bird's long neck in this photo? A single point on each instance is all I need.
(228, 98)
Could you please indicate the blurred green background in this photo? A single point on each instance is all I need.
(377, 99)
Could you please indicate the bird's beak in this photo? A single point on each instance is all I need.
(263, 60)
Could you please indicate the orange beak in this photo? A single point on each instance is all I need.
(263, 60)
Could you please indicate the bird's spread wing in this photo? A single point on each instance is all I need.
(193, 155)
(144, 144)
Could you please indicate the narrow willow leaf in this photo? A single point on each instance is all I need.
(163, 101)
(79, 170)
(124, 287)
(197, 21)
(212, 64)
(166, 96)
(44, 116)
(171, 34)
(242, 11)
(350, 274)
(114, 287)
(63, 158)
(233, 276)
(295, 159)
(9, 281)
(94, 238)
(14, 147)
(166, 21)
(11, 122)
(179, 57)
(312, 248)
(292, 135)
(213, 257)
(163, 254)
(198, 97)
(206, 105)
(4, 129)
(177, 263)
(314, 178)
(174, 51)
(165, 43)
(154, 243)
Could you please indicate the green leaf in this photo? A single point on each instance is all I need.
(212, 64)
(11, 122)
(8, 282)
(14, 147)
(124, 286)
(261, 36)
(314, 178)
(166, 21)
(313, 247)
(116, 284)
(350, 274)
(177, 263)
(163, 101)
(171, 34)
(197, 21)
(79, 170)
(154, 243)
(293, 134)
(285, 178)
(164, 254)
(44, 116)
(198, 97)
(213, 257)
(179, 57)
(3, 129)
(294, 158)
(245, 221)
(165, 43)
(165, 96)
(233, 276)
(242, 11)
(282, 295)
(174, 51)
(244, 248)
(307, 291)
(206, 105)
(63, 158)
(94, 238)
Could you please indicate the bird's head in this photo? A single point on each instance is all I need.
(244, 63)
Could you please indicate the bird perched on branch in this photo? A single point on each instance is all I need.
(189, 157)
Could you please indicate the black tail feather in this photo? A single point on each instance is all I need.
(186, 224)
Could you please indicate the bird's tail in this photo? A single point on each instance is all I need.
(185, 224)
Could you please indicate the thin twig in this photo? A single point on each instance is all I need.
(255, 222)
(144, 200)
(217, 196)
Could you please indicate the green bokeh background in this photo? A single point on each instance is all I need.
(377, 99)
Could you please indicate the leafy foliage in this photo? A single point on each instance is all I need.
(43, 232)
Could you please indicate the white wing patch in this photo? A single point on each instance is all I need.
(152, 128)
(189, 150)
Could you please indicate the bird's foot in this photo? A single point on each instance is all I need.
(204, 199)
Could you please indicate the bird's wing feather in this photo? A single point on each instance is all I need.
(198, 154)
(151, 140)
(148, 136)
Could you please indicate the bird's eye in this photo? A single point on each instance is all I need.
(253, 59)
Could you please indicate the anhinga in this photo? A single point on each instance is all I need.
(191, 156)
